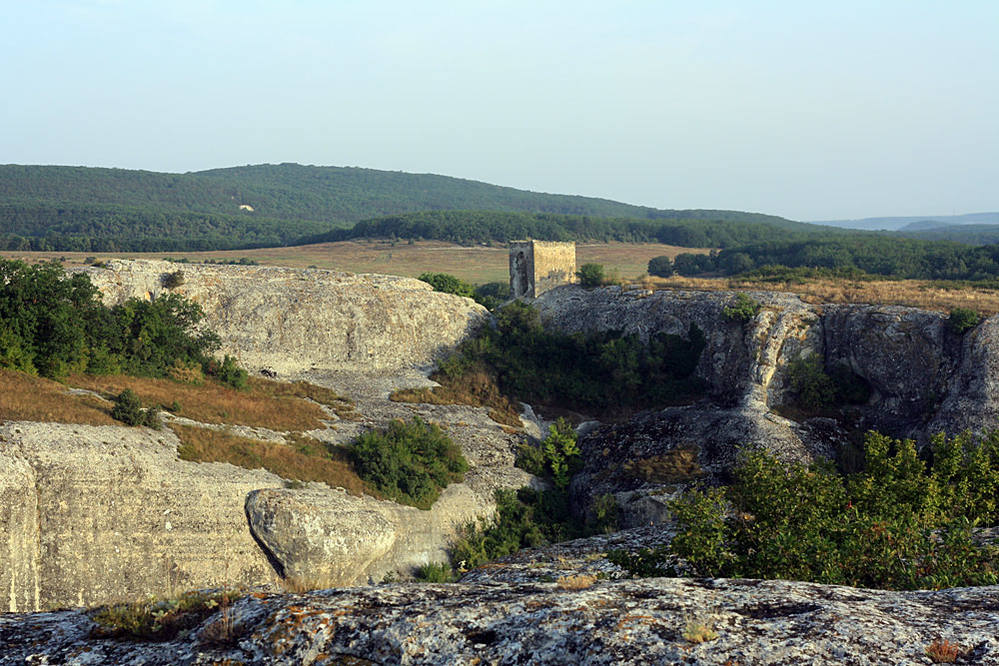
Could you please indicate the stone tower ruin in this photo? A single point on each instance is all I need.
(537, 266)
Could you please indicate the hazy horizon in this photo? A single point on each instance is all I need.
(838, 112)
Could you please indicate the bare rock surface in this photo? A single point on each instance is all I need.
(609, 622)
(289, 320)
(109, 513)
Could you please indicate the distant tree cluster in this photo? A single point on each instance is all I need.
(857, 255)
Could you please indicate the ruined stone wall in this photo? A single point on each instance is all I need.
(554, 265)
(539, 266)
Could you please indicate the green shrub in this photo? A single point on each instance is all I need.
(492, 294)
(591, 275)
(816, 391)
(433, 572)
(963, 319)
(661, 266)
(408, 462)
(742, 309)
(173, 280)
(556, 458)
(901, 524)
(228, 372)
(128, 409)
(449, 284)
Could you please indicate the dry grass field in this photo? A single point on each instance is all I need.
(477, 264)
(27, 398)
(267, 404)
(625, 261)
(915, 293)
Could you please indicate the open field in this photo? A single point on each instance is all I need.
(477, 264)
(628, 261)
(916, 293)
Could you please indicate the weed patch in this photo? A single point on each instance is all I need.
(305, 459)
(158, 620)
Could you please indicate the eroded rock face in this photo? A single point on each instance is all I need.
(924, 376)
(100, 513)
(618, 622)
(288, 320)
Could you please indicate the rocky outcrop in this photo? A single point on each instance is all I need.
(93, 514)
(287, 320)
(923, 375)
(329, 539)
(617, 622)
(99, 513)
(924, 378)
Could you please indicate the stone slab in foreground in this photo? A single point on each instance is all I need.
(621, 622)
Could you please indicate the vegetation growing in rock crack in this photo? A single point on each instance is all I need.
(963, 319)
(527, 518)
(408, 462)
(812, 389)
(600, 373)
(903, 523)
(158, 619)
(742, 309)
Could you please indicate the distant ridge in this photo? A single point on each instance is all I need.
(898, 223)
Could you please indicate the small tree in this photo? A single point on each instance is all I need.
(591, 275)
(963, 319)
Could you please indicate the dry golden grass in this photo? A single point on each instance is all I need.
(477, 388)
(27, 398)
(304, 459)
(915, 293)
(265, 403)
(576, 582)
(477, 264)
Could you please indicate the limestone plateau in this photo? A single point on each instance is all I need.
(94, 514)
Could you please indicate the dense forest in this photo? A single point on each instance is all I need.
(464, 226)
(82, 208)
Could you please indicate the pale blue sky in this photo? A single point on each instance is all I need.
(803, 109)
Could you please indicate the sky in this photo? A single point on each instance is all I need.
(809, 110)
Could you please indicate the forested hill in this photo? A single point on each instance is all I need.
(84, 208)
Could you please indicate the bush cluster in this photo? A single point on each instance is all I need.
(742, 309)
(409, 463)
(602, 372)
(489, 295)
(815, 390)
(591, 275)
(903, 523)
(54, 324)
(526, 518)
